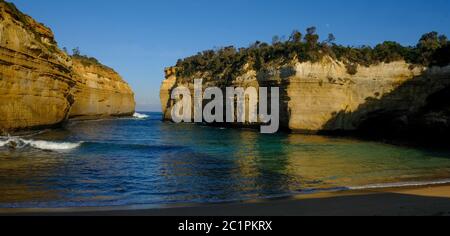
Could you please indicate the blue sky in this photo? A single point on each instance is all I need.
(138, 38)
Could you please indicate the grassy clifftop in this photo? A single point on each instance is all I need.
(89, 61)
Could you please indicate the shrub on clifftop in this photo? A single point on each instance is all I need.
(224, 63)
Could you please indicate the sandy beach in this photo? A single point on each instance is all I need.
(413, 201)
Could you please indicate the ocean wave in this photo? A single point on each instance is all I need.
(401, 184)
(132, 146)
(140, 116)
(19, 143)
(375, 186)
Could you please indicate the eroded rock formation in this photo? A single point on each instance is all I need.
(35, 76)
(99, 92)
(42, 86)
(324, 97)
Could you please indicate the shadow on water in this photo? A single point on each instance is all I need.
(225, 164)
(265, 162)
(20, 169)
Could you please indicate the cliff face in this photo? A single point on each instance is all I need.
(324, 97)
(99, 91)
(39, 85)
(35, 76)
(165, 93)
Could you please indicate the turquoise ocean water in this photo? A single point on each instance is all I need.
(143, 161)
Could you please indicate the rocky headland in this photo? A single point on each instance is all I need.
(42, 86)
(388, 91)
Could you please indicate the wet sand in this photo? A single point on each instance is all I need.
(414, 201)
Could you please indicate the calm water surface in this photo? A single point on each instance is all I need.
(145, 161)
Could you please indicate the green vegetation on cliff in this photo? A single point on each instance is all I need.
(226, 63)
(12, 9)
(84, 59)
(30, 24)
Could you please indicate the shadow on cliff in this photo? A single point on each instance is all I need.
(417, 112)
(283, 82)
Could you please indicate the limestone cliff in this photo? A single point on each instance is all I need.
(35, 76)
(39, 83)
(324, 97)
(165, 93)
(99, 92)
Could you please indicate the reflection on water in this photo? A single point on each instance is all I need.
(15, 171)
(146, 161)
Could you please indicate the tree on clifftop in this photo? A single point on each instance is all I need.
(388, 52)
(311, 37)
(331, 38)
(428, 44)
(296, 37)
(76, 51)
(432, 49)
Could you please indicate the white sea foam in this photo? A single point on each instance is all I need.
(18, 143)
(140, 116)
(3, 143)
(401, 184)
(45, 145)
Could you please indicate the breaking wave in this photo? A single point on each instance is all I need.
(19, 143)
(401, 184)
(140, 116)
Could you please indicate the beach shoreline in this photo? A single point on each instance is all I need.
(431, 200)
